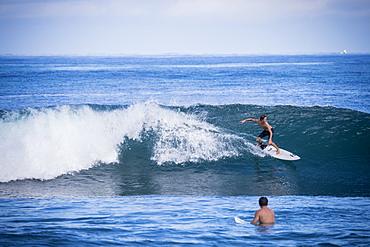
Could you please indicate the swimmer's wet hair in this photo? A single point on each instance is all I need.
(263, 201)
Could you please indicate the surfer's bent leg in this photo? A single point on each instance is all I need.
(259, 141)
(267, 133)
(275, 146)
(262, 135)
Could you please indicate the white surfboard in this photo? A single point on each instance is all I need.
(239, 221)
(283, 155)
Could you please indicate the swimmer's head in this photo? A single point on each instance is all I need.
(263, 201)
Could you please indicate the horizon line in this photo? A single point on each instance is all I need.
(178, 54)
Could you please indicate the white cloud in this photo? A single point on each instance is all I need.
(211, 9)
(76, 8)
(245, 9)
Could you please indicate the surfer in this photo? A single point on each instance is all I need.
(264, 215)
(267, 130)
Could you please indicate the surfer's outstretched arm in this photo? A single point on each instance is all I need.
(249, 119)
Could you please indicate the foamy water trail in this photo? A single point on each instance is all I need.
(183, 138)
(48, 142)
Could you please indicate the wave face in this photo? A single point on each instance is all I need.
(151, 149)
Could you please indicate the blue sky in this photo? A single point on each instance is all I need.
(78, 27)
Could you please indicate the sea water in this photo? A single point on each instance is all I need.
(148, 150)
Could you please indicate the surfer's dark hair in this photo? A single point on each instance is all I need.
(263, 201)
(262, 116)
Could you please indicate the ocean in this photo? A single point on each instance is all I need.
(149, 151)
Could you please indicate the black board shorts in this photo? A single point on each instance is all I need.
(266, 133)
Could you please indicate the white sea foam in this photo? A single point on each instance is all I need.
(183, 138)
(48, 142)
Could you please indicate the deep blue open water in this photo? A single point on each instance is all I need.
(149, 151)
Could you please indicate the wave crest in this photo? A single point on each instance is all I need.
(47, 142)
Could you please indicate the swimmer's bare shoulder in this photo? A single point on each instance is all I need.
(264, 216)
